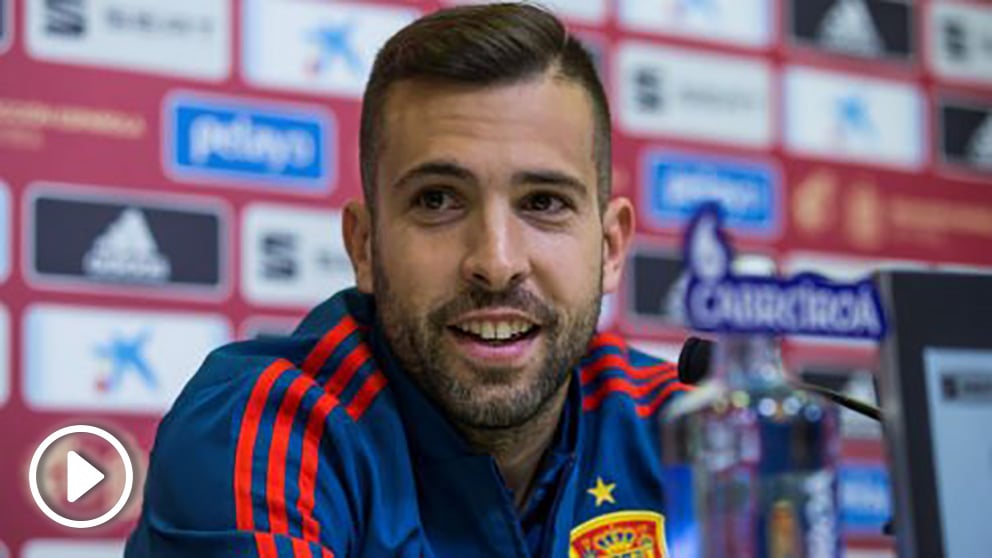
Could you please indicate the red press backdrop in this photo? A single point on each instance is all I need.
(171, 175)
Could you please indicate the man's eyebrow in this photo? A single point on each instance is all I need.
(449, 169)
(435, 169)
(549, 177)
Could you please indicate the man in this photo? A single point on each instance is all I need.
(458, 402)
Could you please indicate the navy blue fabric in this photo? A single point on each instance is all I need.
(393, 478)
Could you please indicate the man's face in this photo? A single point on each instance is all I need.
(487, 250)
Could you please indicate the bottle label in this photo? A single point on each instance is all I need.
(717, 299)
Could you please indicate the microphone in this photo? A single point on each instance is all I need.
(694, 360)
(694, 366)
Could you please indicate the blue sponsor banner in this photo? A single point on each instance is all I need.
(676, 184)
(718, 299)
(279, 146)
(865, 498)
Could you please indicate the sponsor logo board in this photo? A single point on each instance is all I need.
(657, 280)
(186, 38)
(676, 183)
(6, 231)
(880, 29)
(853, 118)
(687, 94)
(960, 45)
(293, 255)
(314, 46)
(72, 548)
(129, 361)
(741, 22)
(865, 502)
(285, 147)
(5, 367)
(840, 269)
(109, 240)
(966, 135)
(657, 283)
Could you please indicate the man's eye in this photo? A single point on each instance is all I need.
(545, 203)
(435, 200)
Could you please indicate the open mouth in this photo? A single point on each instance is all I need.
(495, 334)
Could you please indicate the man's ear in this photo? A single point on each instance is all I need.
(618, 231)
(356, 228)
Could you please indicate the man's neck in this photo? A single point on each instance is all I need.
(519, 451)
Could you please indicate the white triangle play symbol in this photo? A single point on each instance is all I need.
(81, 477)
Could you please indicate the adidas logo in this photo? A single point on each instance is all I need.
(848, 27)
(127, 251)
(979, 150)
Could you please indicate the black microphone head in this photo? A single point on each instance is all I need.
(694, 360)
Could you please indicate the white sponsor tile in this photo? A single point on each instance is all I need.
(853, 118)
(292, 255)
(740, 22)
(689, 94)
(72, 548)
(315, 46)
(5, 367)
(80, 358)
(188, 38)
(960, 41)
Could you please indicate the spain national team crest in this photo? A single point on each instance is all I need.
(633, 534)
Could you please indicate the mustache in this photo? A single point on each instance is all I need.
(475, 298)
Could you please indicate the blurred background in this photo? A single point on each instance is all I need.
(171, 174)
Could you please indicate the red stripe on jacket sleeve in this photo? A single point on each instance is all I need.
(266, 545)
(348, 368)
(309, 461)
(275, 489)
(327, 344)
(246, 442)
(366, 394)
(649, 409)
(603, 340)
(624, 385)
(301, 548)
(607, 361)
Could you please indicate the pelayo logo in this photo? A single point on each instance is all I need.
(807, 304)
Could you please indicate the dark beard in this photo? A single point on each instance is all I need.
(416, 342)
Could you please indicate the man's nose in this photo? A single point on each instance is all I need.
(497, 255)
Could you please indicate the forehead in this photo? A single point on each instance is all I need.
(544, 121)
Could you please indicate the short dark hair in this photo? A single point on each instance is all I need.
(484, 45)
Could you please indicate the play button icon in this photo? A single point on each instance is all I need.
(80, 476)
(69, 480)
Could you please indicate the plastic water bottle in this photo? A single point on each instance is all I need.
(751, 463)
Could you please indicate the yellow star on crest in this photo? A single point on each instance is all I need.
(603, 492)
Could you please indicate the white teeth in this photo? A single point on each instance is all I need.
(488, 330)
(495, 331)
(503, 330)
